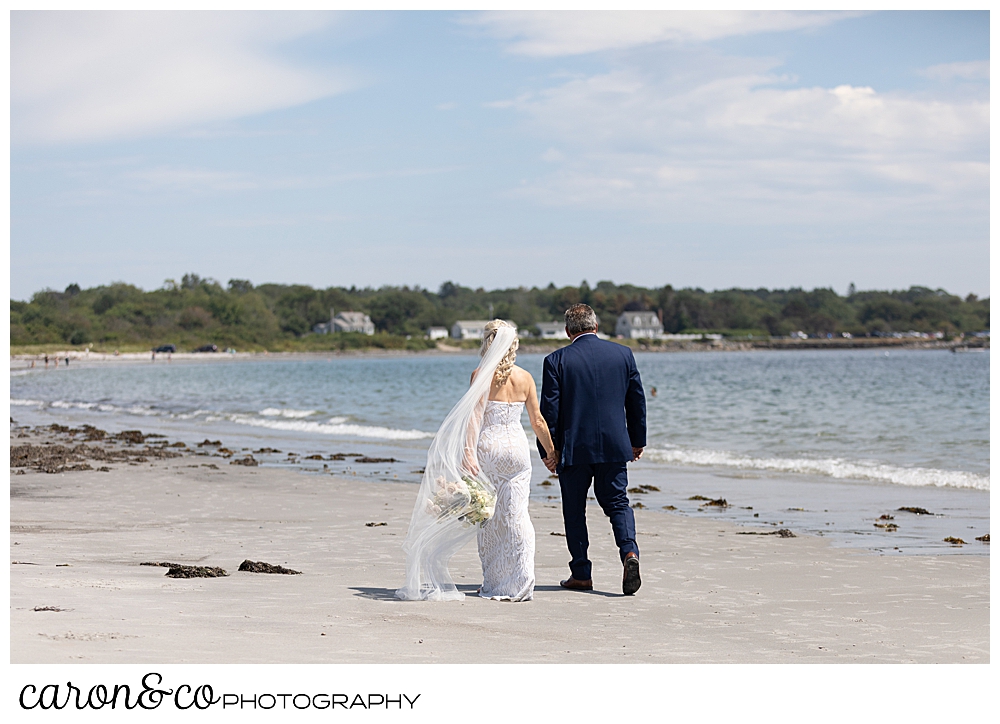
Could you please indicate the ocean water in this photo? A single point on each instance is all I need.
(819, 442)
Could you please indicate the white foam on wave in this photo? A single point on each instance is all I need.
(335, 426)
(286, 412)
(131, 410)
(190, 415)
(830, 467)
(279, 419)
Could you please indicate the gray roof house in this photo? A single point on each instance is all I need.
(346, 322)
(552, 330)
(471, 329)
(639, 325)
(353, 322)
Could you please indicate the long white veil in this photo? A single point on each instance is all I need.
(454, 496)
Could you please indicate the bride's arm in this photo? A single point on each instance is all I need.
(538, 423)
(472, 433)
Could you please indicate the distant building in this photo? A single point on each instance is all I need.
(471, 329)
(346, 322)
(552, 330)
(639, 325)
(437, 333)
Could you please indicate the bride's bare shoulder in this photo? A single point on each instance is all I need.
(521, 374)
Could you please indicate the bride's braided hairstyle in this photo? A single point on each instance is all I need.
(507, 363)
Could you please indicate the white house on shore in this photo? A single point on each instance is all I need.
(437, 333)
(639, 325)
(552, 330)
(346, 322)
(471, 329)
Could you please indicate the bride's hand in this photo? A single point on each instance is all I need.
(471, 465)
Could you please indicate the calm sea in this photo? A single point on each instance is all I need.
(818, 442)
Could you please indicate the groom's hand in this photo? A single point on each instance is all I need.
(636, 453)
(551, 460)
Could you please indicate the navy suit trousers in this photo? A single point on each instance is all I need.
(610, 488)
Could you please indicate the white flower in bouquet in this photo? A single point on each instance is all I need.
(467, 499)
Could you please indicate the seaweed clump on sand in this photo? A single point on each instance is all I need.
(179, 570)
(717, 503)
(196, 572)
(781, 533)
(984, 538)
(131, 437)
(249, 461)
(52, 457)
(954, 541)
(262, 567)
(915, 511)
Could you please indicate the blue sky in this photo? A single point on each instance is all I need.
(501, 149)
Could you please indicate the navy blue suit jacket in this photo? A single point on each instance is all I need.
(593, 402)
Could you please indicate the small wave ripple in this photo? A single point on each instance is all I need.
(830, 467)
(272, 417)
(286, 412)
(334, 426)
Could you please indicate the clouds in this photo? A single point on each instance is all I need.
(549, 34)
(970, 70)
(691, 135)
(86, 76)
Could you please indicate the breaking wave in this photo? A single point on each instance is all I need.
(829, 467)
(286, 412)
(334, 426)
(272, 417)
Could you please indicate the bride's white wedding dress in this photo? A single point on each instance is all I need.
(456, 492)
(507, 540)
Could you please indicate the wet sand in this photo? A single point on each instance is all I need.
(709, 593)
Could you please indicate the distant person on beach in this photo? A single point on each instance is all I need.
(477, 480)
(593, 402)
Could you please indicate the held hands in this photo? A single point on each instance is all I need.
(551, 460)
(636, 453)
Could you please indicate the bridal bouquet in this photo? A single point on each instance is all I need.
(466, 499)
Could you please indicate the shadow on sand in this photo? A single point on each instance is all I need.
(389, 594)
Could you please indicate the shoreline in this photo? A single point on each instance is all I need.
(443, 350)
(711, 593)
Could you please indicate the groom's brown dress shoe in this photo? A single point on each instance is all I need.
(576, 584)
(630, 580)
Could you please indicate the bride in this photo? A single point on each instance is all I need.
(477, 481)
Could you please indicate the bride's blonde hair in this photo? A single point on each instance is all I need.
(507, 363)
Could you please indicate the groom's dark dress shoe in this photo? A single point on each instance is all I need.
(576, 584)
(630, 581)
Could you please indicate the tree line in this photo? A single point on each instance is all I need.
(281, 316)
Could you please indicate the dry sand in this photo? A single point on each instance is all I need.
(708, 593)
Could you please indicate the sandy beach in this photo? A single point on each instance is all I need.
(710, 592)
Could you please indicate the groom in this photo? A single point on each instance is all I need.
(593, 402)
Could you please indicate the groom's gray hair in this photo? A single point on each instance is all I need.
(580, 318)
